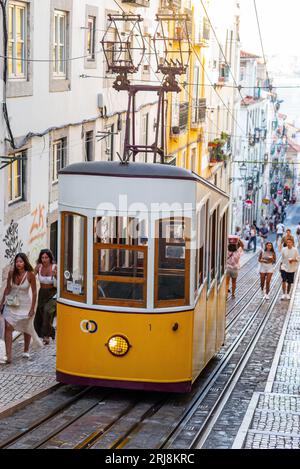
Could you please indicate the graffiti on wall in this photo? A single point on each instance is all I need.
(37, 228)
(12, 242)
(37, 232)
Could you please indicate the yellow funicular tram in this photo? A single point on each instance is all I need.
(142, 264)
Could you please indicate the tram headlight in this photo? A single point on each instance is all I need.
(118, 345)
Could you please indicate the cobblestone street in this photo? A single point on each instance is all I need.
(273, 416)
(24, 377)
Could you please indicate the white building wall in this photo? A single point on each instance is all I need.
(38, 110)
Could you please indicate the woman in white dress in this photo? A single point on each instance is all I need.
(19, 306)
(267, 260)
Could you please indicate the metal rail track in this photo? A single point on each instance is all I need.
(216, 408)
(132, 418)
(231, 321)
(38, 422)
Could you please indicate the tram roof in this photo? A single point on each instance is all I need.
(135, 170)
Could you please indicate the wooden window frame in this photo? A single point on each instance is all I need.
(64, 294)
(59, 154)
(57, 44)
(223, 244)
(89, 143)
(213, 242)
(91, 38)
(201, 273)
(17, 170)
(120, 279)
(13, 40)
(186, 300)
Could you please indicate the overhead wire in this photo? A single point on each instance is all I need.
(263, 49)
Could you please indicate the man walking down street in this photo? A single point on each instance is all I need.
(263, 233)
(289, 265)
(252, 239)
(298, 234)
(288, 235)
(279, 232)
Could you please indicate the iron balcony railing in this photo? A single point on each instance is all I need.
(171, 4)
(141, 3)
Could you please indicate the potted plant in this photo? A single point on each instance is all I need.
(216, 149)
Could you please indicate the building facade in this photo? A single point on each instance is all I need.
(61, 108)
(251, 190)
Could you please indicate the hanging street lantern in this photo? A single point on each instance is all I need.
(266, 201)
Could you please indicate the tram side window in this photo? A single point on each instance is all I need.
(223, 244)
(120, 261)
(121, 230)
(73, 274)
(213, 246)
(201, 248)
(172, 262)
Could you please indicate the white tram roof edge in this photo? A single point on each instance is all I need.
(143, 187)
(136, 170)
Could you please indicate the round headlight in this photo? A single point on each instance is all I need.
(118, 345)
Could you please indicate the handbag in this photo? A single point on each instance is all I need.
(54, 279)
(13, 300)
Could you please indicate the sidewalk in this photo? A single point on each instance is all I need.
(247, 256)
(24, 377)
(273, 416)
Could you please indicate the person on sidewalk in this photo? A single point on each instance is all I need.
(298, 234)
(289, 265)
(19, 306)
(263, 233)
(288, 235)
(267, 260)
(279, 232)
(46, 309)
(252, 239)
(234, 253)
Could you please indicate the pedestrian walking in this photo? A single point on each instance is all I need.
(288, 235)
(238, 231)
(234, 253)
(298, 234)
(279, 232)
(252, 238)
(46, 309)
(289, 265)
(246, 231)
(19, 305)
(267, 260)
(263, 233)
(271, 225)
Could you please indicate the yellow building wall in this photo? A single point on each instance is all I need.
(181, 145)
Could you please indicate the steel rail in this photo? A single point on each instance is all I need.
(226, 392)
(199, 397)
(37, 423)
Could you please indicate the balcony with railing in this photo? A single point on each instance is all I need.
(224, 70)
(202, 35)
(170, 5)
(137, 3)
(219, 149)
(198, 112)
(181, 123)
